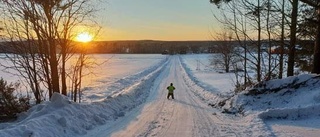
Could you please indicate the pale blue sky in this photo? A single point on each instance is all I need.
(157, 20)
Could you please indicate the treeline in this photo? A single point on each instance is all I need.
(130, 46)
(149, 47)
(159, 47)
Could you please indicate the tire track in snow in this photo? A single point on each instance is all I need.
(186, 116)
(228, 125)
(184, 109)
(203, 122)
(149, 122)
(164, 113)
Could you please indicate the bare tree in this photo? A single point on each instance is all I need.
(257, 12)
(235, 21)
(76, 74)
(293, 31)
(251, 22)
(282, 39)
(48, 26)
(224, 52)
(23, 45)
(251, 11)
(294, 10)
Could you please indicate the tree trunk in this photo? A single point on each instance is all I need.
(245, 61)
(54, 69)
(293, 30)
(63, 71)
(80, 75)
(259, 44)
(282, 41)
(269, 40)
(316, 55)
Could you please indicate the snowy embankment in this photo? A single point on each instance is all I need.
(270, 97)
(60, 117)
(296, 96)
(112, 89)
(289, 106)
(280, 107)
(204, 91)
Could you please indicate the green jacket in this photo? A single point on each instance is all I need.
(171, 89)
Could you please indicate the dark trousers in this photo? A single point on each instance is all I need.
(170, 94)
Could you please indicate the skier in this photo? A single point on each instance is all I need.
(170, 88)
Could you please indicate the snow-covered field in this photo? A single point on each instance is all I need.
(127, 97)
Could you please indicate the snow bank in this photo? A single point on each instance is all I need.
(60, 117)
(290, 97)
(97, 94)
(276, 85)
(292, 113)
(200, 89)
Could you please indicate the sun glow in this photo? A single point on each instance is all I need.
(84, 37)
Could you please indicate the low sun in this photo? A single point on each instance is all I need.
(84, 37)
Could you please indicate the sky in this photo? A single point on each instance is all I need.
(157, 20)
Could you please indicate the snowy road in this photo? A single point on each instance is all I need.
(185, 116)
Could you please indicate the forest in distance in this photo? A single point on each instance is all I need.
(167, 47)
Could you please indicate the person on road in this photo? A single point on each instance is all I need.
(170, 88)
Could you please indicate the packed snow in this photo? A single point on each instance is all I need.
(127, 97)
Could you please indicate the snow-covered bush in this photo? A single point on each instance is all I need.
(10, 103)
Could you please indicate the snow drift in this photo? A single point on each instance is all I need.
(289, 98)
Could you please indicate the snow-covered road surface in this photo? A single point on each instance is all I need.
(184, 116)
